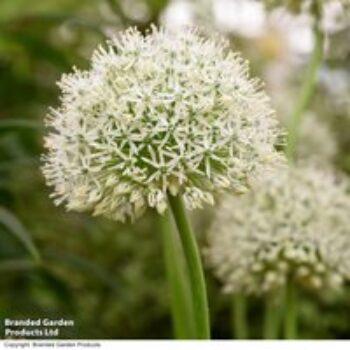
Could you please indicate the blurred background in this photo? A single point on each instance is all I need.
(109, 277)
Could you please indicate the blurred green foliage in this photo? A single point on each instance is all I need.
(107, 277)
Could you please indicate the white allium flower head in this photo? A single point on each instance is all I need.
(166, 112)
(295, 225)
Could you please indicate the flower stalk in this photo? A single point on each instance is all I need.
(194, 265)
(240, 326)
(271, 319)
(290, 313)
(295, 120)
(307, 89)
(180, 298)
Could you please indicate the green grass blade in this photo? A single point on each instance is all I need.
(17, 229)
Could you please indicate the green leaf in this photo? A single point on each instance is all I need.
(12, 265)
(83, 264)
(16, 228)
(58, 288)
(18, 123)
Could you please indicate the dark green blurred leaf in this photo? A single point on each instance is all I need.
(15, 124)
(57, 287)
(16, 228)
(14, 265)
(85, 265)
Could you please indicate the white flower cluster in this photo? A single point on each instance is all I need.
(296, 225)
(165, 112)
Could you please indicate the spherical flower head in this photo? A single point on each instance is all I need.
(293, 226)
(157, 114)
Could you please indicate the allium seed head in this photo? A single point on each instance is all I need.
(165, 112)
(294, 226)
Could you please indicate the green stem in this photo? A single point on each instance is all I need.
(290, 312)
(306, 92)
(180, 297)
(271, 319)
(240, 325)
(194, 265)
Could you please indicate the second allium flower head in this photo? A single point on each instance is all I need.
(157, 114)
(292, 226)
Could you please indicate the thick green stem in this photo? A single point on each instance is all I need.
(239, 312)
(194, 265)
(306, 92)
(271, 319)
(178, 283)
(290, 312)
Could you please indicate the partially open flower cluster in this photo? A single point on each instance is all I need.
(295, 226)
(155, 114)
